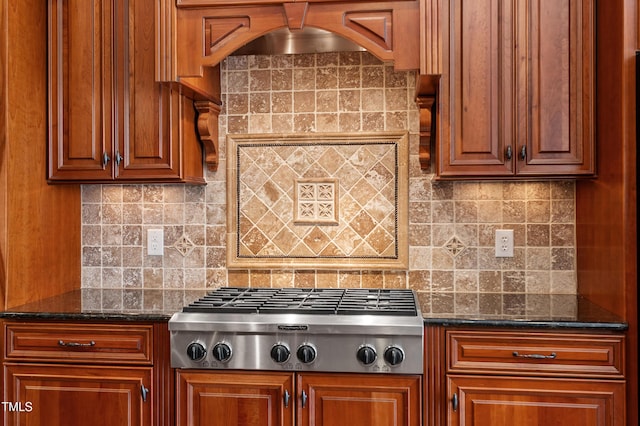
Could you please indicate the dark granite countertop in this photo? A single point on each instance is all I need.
(516, 310)
(68, 306)
(448, 309)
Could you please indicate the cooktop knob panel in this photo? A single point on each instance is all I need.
(393, 355)
(222, 352)
(196, 351)
(280, 353)
(366, 355)
(306, 353)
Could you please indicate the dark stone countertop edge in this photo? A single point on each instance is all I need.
(529, 324)
(87, 316)
(441, 321)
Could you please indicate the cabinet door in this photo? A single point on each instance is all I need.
(147, 126)
(72, 395)
(239, 399)
(556, 87)
(476, 111)
(80, 91)
(514, 401)
(358, 400)
(517, 89)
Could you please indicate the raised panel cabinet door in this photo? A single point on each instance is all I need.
(80, 92)
(476, 111)
(358, 400)
(514, 401)
(57, 395)
(147, 120)
(556, 87)
(208, 397)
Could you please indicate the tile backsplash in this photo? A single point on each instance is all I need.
(451, 224)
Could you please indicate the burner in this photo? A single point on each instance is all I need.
(307, 300)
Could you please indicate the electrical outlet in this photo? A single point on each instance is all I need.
(504, 242)
(155, 242)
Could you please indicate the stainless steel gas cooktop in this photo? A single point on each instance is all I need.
(337, 330)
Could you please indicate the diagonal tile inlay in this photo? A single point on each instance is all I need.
(320, 201)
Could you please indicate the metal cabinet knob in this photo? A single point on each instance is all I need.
(105, 159)
(523, 153)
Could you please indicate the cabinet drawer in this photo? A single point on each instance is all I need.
(94, 343)
(529, 353)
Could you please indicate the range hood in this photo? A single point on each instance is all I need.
(308, 40)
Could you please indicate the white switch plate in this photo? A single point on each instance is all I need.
(504, 242)
(155, 242)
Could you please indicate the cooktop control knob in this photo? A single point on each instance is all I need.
(306, 353)
(366, 355)
(196, 351)
(222, 352)
(393, 355)
(280, 353)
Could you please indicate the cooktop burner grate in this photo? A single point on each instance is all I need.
(307, 300)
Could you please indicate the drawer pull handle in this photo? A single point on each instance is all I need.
(75, 344)
(454, 402)
(553, 355)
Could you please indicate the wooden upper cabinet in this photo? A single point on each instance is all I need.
(109, 118)
(80, 91)
(517, 89)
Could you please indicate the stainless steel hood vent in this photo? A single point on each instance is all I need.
(307, 40)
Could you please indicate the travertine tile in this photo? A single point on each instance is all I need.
(335, 92)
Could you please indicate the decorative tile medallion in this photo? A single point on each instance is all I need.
(184, 245)
(454, 246)
(317, 201)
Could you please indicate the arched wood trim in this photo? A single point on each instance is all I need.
(205, 36)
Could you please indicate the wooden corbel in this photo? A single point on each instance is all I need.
(426, 92)
(207, 125)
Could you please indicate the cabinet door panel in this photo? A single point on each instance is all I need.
(499, 401)
(244, 399)
(72, 395)
(556, 87)
(147, 118)
(337, 400)
(79, 89)
(477, 90)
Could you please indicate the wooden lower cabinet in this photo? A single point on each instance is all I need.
(79, 373)
(524, 377)
(266, 398)
(508, 401)
(209, 398)
(68, 395)
(357, 400)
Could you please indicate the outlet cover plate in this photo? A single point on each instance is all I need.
(504, 242)
(155, 242)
